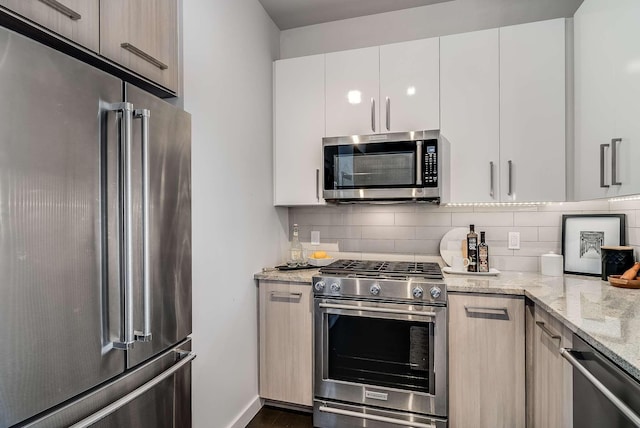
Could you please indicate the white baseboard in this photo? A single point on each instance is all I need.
(248, 413)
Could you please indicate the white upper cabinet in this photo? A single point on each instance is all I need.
(470, 114)
(607, 98)
(409, 86)
(298, 130)
(352, 92)
(532, 112)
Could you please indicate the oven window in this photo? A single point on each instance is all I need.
(381, 352)
(370, 166)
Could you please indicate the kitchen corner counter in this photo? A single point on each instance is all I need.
(606, 317)
(301, 275)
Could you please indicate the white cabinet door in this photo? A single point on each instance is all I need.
(625, 49)
(410, 86)
(532, 112)
(469, 108)
(298, 130)
(352, 93)
(594, 28)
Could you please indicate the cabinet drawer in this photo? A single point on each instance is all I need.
(77, 20)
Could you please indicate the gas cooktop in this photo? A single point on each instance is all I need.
(383, 269)
(380, 280)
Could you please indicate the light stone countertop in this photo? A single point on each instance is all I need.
(606, 317)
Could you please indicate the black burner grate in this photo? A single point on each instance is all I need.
(368, 267)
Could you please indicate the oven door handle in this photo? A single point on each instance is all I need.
(376, 418)
(379, 310)
(630, 414)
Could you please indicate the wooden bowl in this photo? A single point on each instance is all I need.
(624, 283)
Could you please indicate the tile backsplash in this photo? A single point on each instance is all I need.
(414, 231)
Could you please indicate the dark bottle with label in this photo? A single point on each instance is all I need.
(483, 255)
(472, 249)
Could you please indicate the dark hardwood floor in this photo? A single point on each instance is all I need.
(280, 418)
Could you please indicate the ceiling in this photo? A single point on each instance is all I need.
(298, 13)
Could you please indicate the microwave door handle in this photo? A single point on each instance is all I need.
(419, 161)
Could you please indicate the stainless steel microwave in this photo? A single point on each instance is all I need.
(407, 166)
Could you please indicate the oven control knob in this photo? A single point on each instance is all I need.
(319, 286)
(335, 287)
(418, 292)
(375, 289)
(435, 292)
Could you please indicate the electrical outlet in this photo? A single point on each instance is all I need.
(514, 240)
(315, 237)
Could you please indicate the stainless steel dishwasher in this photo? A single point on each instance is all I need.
(603, 394)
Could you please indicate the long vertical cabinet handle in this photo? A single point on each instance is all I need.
(66, 11)
(318, 185)
(373, 114)
(510, 191)
(491, 187)
(388, 114)
(614, 162)
(602, 149)
(126, 293)
(145, 334)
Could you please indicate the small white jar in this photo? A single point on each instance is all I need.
(551, 264)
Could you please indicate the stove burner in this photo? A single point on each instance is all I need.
(381, 268)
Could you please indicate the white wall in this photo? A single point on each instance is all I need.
(229, 46)
(440, 19)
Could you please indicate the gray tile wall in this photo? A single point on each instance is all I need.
(413, 231)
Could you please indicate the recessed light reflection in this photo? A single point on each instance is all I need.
(354, 97)
(411, 90)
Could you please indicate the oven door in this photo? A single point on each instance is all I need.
(389, 355)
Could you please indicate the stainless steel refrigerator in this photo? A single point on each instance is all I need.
(95, 247)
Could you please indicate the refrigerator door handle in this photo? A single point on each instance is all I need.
(127, 338)
(145, 334)
(111, 408)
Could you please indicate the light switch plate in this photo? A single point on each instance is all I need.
(514, 240)
(315, 237)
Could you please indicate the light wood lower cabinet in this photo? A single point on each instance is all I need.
(286, 342)
(550, 402)
(486, 361)
(77, 20)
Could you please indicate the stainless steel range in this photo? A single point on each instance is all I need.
(380, 345)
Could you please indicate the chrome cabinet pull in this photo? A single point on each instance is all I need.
(546, 331)
(614, 161)
(373, 114)
(142, 54)
(285, 295)
(145, 334)
(491, 189)
(127, 332)
(510, 192)
(486, 310)
(111, 408)
(376, 418)
(602, 149)
(375, 309)
(318, 185)
(66, 11)
(388, 114)
(624, 409)
(419, 162)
